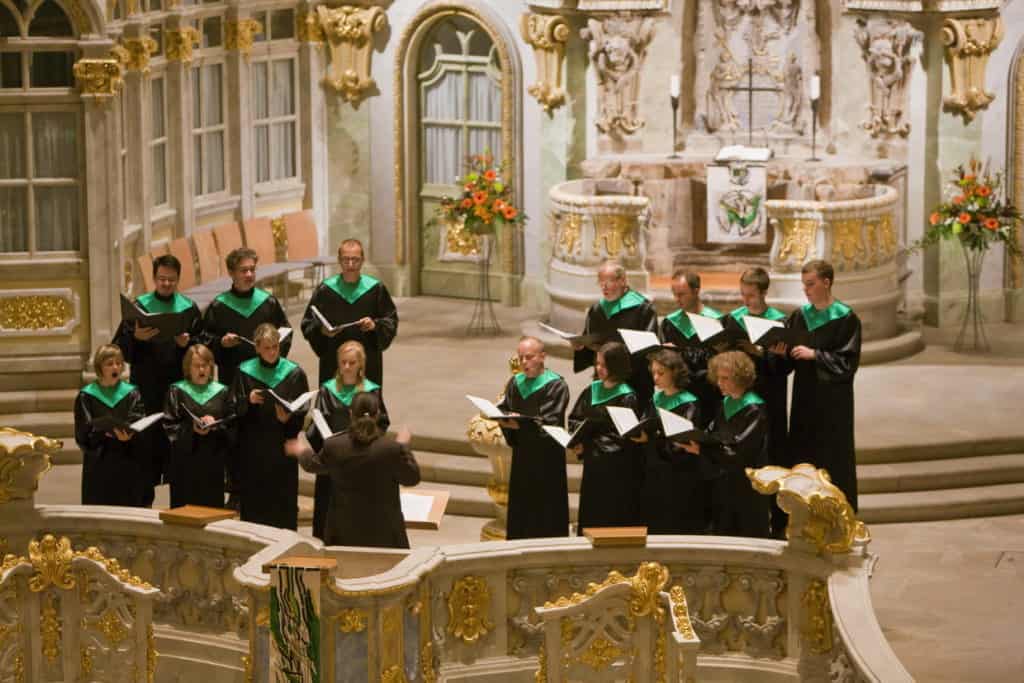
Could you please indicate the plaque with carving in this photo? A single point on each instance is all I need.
(736, 213)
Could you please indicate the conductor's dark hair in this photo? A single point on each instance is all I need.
(692, 277)
(756, 276)
(823, 269)
(167, 261)
(236, 256)
(673, 362)
(616, 360)
(365, 410)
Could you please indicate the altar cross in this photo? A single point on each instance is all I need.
(750, 89)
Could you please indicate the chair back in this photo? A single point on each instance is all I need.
(259, 236)
(207, 255)
(229, 238)
(181, 249)
(303, 241)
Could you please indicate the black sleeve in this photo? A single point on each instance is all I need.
(86, 437)
(650, 319)
(279, 319)
(210, 333)
(584, 358)
(407, 471)
(311, 328)
(136, 406)
(556, 400)
(176, 420)
(839, 364)
(313, 436)
(383, 420)
(509, 434)
(124, 339)
(195, 326)
(386, 322)
(578, 412)
(741, 448)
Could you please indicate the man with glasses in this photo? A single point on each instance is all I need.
(156, 359)
(351, 306)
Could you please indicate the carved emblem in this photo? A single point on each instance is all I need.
(614, 233)
(99, 78)
(617, 47)
(349, 31)
(239, 35)
(138, 51)
(547, 34)
(969, 42)
(888, 47)
(469, 604)
(352, 620)
(797, 239)
(179, 44)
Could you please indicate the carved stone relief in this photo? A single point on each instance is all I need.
(349, 32)
(617, 47)
(969, 42)
(547, 34)
(888, 47)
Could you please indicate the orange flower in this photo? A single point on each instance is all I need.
(984, 191)
(992, 223)
(969, 178)
(964, 217)
(490, 175)
(959, 199)
(466, 203)
(934, 218)
(479, 198)
(510, 212)
(468, 187)
(499, 205)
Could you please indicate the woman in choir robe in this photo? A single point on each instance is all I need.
(333, 401)
(739, 439)
(113, 471)
(821, 415)
(619, 308)
(538, 491)
(269, 480)
(365, 469)
(196, 468)
(674, 482)
(613, 467)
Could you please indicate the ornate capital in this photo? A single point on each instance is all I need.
(179, 44)
(137, 52)
(820, 518)
(307, 28)
(24, 458)
(469, 606)
(238, 35)
(99, 78)
(617, 46)
(349, 32)
(547, 34)
(969, 42)
(888, 47)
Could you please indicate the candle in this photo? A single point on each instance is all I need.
(673, 86)
(815, 87)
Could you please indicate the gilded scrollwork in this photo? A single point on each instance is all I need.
(681, 612)
(179, 44)
(49, 628)
(469, 605)
(35, 312)
(600, 654)
(798, 236)
(969, 41)
(881, 239)
(847, 242)
(817, 621)
(138, 51)
(547, 34)
(570, 233)
(615, 233)
(239, 35)
(307, 28)
(352, 620)
(349, 31)
(99, 78)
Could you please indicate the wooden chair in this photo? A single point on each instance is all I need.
(207, 254)
(92, 620)
(229, 238)
(182, 250)
(145, 263)
(260, 238)
(303, 241)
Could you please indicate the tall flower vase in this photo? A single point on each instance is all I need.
(972, 332)
(484, 322)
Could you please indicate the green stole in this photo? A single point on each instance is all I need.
(815, 318)
(682, 321)
(674, 401)
(243, 306)
(528, 385)
(347, 392)
(269, 376)
(735, 405)
(154, 304)
(769, 314)
(599, 394)
(351, 291)
(109, 396)
(625, 302)
(200, 393)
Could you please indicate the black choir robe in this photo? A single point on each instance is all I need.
(113, 471)
(538, 491)
(155, 365)
(631, 311)
(613, 467)
(821, 425)
(366, 507)
(341, 302)
(771, 384)
(333, 402)
(240, 313)
(677, 329)
(740, 433)
(196, 468)
(268, 479)
(675, 486)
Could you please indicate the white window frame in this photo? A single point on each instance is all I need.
(154, 142)
(200, 131)
(271, 120)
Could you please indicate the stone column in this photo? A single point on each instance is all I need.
(313, 150)
(179, 41)
(138, 47)
(239, 30)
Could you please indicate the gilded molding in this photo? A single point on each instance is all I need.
(349, 33)
(49, 628)
(179, 43)
(649, 579)
(44, 311)
(547, 34)
(798, 236)
(307, 28)
(817, 622)
(24, 458)
(819, 515)
(352, 620)
(239, 35)
(600, 654)
(99, 78)
(469, 605)
(139, 51)
(968, 43)
(615, 233)
(681, 612)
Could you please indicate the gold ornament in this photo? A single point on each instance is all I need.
(35, 312)
(138, 52)
(469, 603)
(969, 42)
(49, 628)
(817, 628)
(307, 28)
(352, 621)
(547, 34)
(349, 31)
(179, 44)
(797, 239)
(100, 78)
(600, 654)
(617, 231)
(239, 35)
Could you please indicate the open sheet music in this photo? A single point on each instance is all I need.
(566, 439)
(680, 429)
(492, 412)
(283, 333)
(637, 341)
(108, 423)
(328, 326)
(581, 339)
(199, 420)
(169, 324)
(712, 333)
(770, 332)
(320, 422)
(291, 406)
(626, 422)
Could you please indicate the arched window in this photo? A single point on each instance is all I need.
(50, 21)
(8, 24)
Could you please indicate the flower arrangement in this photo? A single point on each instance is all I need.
(486, 198)
(975, 212)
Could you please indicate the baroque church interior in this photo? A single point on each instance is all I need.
(642, 141)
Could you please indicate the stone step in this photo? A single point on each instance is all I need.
(966, 448)
(43, 400)
(924, 506)
(933, 475)
(55, 425)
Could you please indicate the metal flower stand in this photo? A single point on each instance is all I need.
(972, 335)
(484, 322)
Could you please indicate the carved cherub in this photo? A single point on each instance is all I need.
(616, 47)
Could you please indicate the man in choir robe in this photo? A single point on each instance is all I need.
(678, 331)
(233, 316)
(538, 492)
(350, 297)
(772, 368)
(156, 361)
(619, 308)
(821, 426)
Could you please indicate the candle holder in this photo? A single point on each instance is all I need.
(675, 126)
(814, 131)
